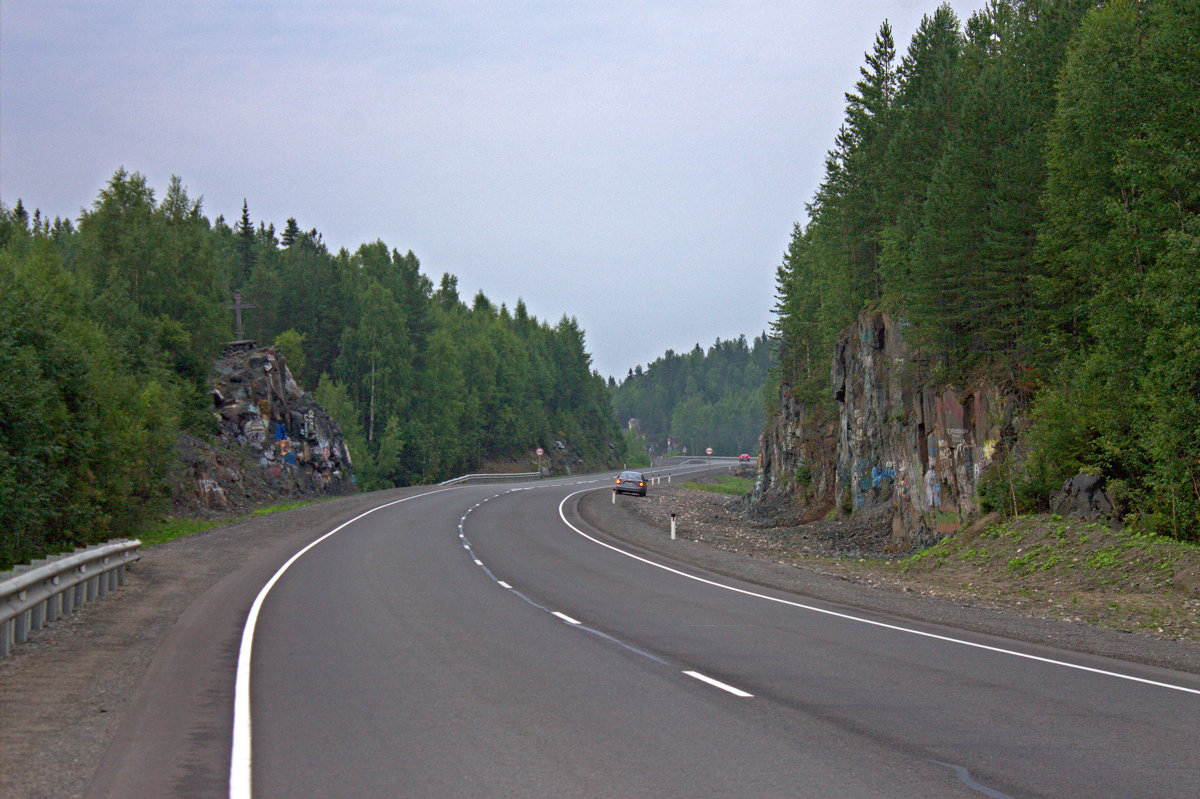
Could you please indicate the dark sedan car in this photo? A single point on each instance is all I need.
(631, 483)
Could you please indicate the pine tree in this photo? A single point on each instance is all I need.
(290, 231)
(246, 248)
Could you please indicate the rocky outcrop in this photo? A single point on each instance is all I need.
(1083, 497)
(274, 440)
(797, 458)
(902, 453)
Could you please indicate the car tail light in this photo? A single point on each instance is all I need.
(641, 483)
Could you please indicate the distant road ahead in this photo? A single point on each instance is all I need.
(472, 642)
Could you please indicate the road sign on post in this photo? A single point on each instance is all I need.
(708, 450)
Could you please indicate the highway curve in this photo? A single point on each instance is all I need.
(486, 641)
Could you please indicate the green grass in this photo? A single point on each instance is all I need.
(178, 528)
(1065, 552)
(725, 485)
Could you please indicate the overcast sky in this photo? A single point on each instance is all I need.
(636, 165)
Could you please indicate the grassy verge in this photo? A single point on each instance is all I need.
(177, 528)
(1076, 570)
(723, 485)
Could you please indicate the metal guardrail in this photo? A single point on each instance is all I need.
(32, 596)
(491, 478)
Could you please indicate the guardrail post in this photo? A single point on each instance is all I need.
(54, 604)
(6, 634)
(21, 627)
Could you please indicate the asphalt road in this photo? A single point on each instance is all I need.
(486, 641)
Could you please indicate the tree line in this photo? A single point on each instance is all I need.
(699, 399)
(1023, 190)
(109, 327)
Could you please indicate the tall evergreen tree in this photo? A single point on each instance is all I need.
(246, 247)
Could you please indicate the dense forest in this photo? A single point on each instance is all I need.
(699, 399)
(109, 327)
(1023, 190)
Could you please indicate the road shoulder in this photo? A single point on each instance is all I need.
(619, 521)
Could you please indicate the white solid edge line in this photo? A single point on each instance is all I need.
(566, 618)
(718, 684)
(872, 622)
(240, 766)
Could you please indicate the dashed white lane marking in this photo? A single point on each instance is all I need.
(718, 684)
(575, 622)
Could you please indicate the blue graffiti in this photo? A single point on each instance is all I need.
(878, 475)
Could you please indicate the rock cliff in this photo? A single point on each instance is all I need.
(897, 451)
(274, 440)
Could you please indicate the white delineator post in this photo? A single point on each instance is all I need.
(672, 526)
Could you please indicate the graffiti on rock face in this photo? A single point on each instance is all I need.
(933, 489)
(881, 473)
(255, 430)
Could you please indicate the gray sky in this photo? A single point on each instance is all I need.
(637, 165)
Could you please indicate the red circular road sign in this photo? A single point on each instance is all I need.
(708, 450)
(540, 452)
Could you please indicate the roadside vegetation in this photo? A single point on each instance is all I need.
(1023, 191)
(698, 399)
(1092, 572)
(727, 484)
(178, 528)
(110, 323)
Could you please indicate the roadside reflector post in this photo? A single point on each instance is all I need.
(672, 526)
(614, 496)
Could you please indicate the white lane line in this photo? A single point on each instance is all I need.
(240, 755)
(718, 684)
(861, 620)
(566, 618)
(503, 584)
